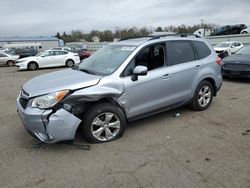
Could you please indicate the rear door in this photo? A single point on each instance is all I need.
(183, 65)
(3, 58)
(47, 59)
(60, 57)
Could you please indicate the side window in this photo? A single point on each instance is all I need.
(59, 53)
(202, 49)
(179, 52)
(237, 44)
(152, 57)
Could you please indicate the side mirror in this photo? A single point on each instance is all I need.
(139, 71)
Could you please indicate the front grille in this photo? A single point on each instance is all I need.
(23, 102)
(238, 67)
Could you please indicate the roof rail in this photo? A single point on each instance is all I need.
(152, 37)
(174, 35)
(127, 38)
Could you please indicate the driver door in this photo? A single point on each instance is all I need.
(149, 92)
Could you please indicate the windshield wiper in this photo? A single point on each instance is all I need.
(87, 71)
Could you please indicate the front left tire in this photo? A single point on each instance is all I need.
(103, 122)
(32, 66)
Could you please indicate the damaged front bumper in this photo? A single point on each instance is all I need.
(49, 126)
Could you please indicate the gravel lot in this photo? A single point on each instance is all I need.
(197, 149)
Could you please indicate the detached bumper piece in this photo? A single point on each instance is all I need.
(47, 126)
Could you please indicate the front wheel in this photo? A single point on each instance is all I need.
(32, 66)
(103, 122)
(203, 96)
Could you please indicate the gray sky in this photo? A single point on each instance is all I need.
(46, 17)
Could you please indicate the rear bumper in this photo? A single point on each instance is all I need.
(48, 126)
(235, 73)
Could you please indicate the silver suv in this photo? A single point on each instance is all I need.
(121, 82)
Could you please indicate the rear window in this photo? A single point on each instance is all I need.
(179, 52)
(202, 49)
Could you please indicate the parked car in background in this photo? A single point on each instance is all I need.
(203, 32)
(63, 48)
(225, 49)
(228, 30)
(7, 59)
(245, 31)
(121, 82)
(23, 49)
(50, 58)
(83, 53)
(238, 64)
(22, 52)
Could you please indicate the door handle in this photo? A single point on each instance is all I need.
(166, 76)
(198, 67)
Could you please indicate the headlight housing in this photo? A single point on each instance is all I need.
(20, 61)
(48, 101)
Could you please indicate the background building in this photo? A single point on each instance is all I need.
(46, 42)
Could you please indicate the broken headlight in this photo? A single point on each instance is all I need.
(48, 101)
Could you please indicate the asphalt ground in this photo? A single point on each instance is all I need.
(197, 149)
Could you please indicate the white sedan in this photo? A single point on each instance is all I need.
(7, 59)
(50, 58)
(228, 47)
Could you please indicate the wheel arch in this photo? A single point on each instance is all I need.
(32, 62)
(106, 100)
(69, 59)
(212, 81)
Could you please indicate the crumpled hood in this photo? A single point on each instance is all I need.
(243, 59)
(59, 80)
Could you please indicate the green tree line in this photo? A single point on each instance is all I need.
(109, 35)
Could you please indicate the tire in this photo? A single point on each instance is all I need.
(10, 63)
(202, 99)
(105, 117)
(70, 63)
(32, 66)
(244, 32)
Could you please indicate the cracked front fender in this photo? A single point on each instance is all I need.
(62, 126)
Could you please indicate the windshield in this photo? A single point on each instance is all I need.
(106, 60)
(223, 45)
(39, 54)
(10, 52)
(244, 51)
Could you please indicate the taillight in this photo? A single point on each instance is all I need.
(219, 61)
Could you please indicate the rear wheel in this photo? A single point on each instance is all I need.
(244, 32)
(10, 63)
(203, 96)
(70, 63)
(32, 66)
(103, 122)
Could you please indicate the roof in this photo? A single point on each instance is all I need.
(20, 39)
